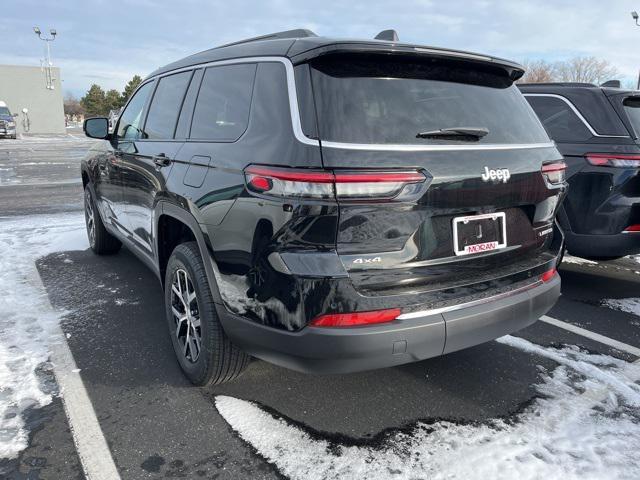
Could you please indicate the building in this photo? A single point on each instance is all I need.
(23, 87)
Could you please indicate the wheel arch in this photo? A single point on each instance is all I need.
(174, 226)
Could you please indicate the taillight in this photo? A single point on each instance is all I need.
(355, 318)
(554, 173)
(632, 228)
(619, 160)
(548, 275)
(323, 184)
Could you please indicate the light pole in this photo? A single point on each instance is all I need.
(48, 71)
(635, 16)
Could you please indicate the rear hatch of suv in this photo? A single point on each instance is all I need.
(444, 209)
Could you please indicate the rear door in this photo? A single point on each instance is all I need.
(371, 112)
(146, 167)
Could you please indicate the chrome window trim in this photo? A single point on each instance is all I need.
(452, 308)
(291, 88)
(576, 111)
(435, 148)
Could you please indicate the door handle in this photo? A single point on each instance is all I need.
(161, 160)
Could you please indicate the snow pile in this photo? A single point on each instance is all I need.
(585, 425)
(28, 324)
(629, 305)
(577, 260)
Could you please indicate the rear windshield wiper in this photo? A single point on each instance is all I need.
(456, 133)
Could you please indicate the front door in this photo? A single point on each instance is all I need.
(127, 131)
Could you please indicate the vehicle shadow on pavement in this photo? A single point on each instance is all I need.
(116, 331)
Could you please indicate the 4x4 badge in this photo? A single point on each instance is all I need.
(368, 260)
(499, 174)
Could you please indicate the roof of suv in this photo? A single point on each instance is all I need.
(301, 45)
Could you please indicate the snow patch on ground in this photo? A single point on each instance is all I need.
(28, 325)
(585, 425)
(577, 260)
(629, 305)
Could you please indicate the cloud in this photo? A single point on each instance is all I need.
(124, 37)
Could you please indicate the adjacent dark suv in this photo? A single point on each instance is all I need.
(597, 129)
(331, 205)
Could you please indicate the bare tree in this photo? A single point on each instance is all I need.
(586, 70)
(72, 105)
(538, 71)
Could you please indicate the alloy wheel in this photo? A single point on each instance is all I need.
(186, 315)
(89, 216)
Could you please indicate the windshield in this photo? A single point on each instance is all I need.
(4, 111)
(373, 100)
(632, 107)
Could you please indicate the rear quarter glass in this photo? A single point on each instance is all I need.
(369, 99)
(632, 109)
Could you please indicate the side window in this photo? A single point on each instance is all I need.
(129, 127)
(223, 104)
(558, 118)
(165, 106)
(184, 121)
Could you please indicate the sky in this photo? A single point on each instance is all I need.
(107, 42)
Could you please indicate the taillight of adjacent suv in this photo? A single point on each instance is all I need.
(342, 185)
(554, 173)
(619, 160)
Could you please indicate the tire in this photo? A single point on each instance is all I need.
(202, 349)
(100, 241)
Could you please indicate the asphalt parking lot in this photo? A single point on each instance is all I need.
(545, 402)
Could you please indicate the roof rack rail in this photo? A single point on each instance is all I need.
(295, 33)
(559, 84)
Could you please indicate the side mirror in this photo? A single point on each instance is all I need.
(15, 115)
(97, 127)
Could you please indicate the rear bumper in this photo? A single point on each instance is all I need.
(618, 245)
(424, 335)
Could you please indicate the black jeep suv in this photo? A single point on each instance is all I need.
(331, 205)
(597, 129)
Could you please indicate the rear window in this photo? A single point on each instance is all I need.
(632, 108)
(373, 100)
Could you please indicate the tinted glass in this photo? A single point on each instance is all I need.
(373, 100)
(165, 106)
(559, 119)
(632, 107)
(4, 111)
(184, 122)
(129, 127)
(223, 104)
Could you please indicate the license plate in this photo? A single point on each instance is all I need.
(479, 233)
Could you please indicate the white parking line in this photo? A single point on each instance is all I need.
(623, 347)
(88, 438)
(91, 445)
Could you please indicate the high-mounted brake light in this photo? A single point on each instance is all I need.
(323, 184)
(548, 275)
(554, 173)
(355, 318)
(618, 160)
(632, 228)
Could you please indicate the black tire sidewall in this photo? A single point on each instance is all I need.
(184, 257)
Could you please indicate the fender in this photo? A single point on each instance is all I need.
(202, 239)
